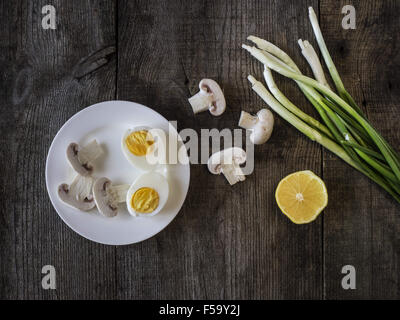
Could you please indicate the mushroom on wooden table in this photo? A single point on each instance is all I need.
(261, 125)
(228, 163)
(210, 97)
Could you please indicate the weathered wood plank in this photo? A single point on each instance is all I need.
(39, 93)
(362, 222)
(227, 242)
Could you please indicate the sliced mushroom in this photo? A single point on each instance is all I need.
(108, 196)
(228, 162)
(78, 194)
(210, 97)
(82, 159)
(261, 125)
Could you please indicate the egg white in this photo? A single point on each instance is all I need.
(152, 180)
(141, 162)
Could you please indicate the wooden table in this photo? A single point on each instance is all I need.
(226, 242)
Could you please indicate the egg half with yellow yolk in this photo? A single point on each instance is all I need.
(147, 195)
(137, 144)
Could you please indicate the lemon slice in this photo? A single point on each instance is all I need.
(301, 196)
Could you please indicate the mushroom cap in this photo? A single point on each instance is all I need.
(265, 115)
(72, 156)
(260, 125)
(232, 156)
(263, 129)
(64, 194)
(260, 135)
(218, 102)
(104, 201)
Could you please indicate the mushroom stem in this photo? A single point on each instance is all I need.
(247, 121)
(209, 98)
(202, 101)
(233, 173)
(90, 152)
(118, 193)
(82, 187)
(228, 163)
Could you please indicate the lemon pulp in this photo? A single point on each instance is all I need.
(301, 196)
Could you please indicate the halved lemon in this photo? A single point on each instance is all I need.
(301, 196)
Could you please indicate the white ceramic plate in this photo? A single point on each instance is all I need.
(107, 122)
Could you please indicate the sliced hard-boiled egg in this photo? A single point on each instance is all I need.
(139, 146)
(147, 195)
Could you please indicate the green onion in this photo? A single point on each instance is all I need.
(345, 132)
(364, 149)
(312, 58)
(290, 106)
(329, 62)
(378, 140)
(311, 133)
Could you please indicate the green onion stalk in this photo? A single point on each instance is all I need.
(329, 62)
(346, 131)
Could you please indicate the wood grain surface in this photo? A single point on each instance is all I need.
(226, 242)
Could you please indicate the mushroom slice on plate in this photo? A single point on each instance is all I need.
(81, 159)
(108, 196)
(228, 162)
(78, 194)
(210, 97)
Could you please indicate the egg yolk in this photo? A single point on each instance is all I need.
(145, 200)
(139, 142)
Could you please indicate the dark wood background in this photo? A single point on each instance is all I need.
(226, 242)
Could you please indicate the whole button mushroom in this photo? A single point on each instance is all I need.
(261, 125)
(228, 163)
(210, 97)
